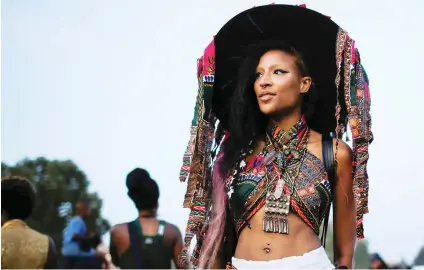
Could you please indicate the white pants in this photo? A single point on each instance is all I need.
(315, 259)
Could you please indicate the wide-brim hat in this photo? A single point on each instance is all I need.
(311, 33)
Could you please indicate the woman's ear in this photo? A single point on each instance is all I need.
(305, 84)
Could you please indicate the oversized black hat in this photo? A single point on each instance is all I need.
(309, 32)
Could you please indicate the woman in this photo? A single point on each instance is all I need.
(146, 242)
(278, 92)
(21, 246)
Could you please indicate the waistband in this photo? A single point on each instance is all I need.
(315, 259)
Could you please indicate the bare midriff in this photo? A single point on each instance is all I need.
(256, 245)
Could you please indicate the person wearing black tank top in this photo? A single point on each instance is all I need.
(146, 242)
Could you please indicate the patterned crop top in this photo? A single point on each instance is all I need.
(311, 198)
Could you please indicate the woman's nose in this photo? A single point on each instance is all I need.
(265, 81)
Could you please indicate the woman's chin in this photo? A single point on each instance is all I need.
(268, 111)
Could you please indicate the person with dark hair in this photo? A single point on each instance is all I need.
(21, 246)
(146, 242)
(79, 246)
(277, 88)
(377, 262)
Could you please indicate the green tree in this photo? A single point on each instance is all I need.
(419, 259)
(59, 184)
(362, 256)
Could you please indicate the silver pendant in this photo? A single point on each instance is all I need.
(276, 213)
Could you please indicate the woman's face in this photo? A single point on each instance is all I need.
(278, 85)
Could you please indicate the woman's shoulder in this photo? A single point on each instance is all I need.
(342, 147)
(343, 150)
(119, 231)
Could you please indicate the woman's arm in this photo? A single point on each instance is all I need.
(114, 256)
(51, 262)
(177, 246)
(344, 209)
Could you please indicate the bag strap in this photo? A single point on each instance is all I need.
(135, 244)
(161, 228)
(328, 158)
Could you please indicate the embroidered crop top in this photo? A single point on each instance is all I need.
(310, 200)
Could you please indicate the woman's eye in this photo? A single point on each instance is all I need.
(279, 71)
(257, 75)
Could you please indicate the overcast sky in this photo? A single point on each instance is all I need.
(112, 85)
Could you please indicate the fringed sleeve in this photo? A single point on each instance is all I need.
(358, 100)
(196, 168)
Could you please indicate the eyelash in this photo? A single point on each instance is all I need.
(257, 75)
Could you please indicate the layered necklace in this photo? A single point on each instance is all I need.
(284, 151)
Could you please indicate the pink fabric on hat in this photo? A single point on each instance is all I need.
(367, 91)
(353, 52)
(209, 59)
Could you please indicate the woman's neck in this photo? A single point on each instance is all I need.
(147, 214)
(287, 121)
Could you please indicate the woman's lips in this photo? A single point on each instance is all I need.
(266, 97)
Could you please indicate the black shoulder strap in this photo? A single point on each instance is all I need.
(328, 158)
(135, 245)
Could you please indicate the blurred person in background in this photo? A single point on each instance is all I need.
(21, 246)
(106, 258)
(79, 246)
(146, 242)
(400, 266)
(377, 262)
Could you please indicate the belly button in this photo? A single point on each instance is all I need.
(267, 250)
